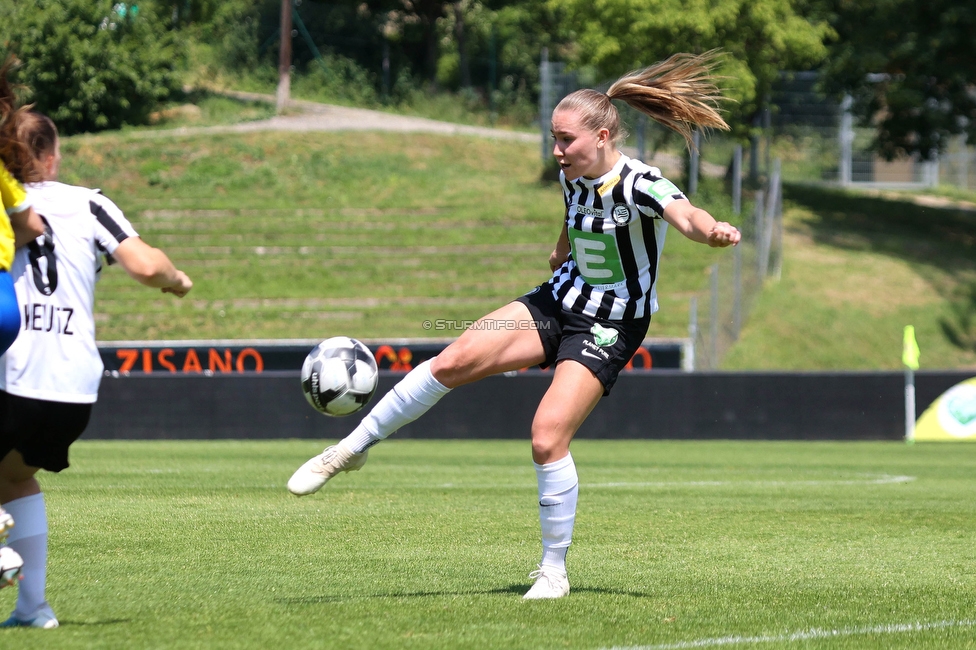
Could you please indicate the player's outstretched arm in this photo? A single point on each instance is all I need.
(698, 225)
(151, 267)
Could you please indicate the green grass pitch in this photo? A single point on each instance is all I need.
(677, 545)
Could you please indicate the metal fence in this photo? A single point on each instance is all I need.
(818, 141)
(716, 316)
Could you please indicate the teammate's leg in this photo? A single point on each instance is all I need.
(574, 392)
(21, 496)
(488, 347)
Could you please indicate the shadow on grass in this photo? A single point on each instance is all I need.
(944, 237)
(511, 589)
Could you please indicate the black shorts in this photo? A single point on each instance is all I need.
(603, 346)
(40, 430)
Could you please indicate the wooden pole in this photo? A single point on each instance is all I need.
(284, 57)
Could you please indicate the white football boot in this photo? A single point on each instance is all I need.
(549, 583)
(44, 619)
(6, 523)
(315, 473)
(10, 565)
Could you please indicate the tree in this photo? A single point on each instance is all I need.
(761, 37)
(91, 65)
(910, 66)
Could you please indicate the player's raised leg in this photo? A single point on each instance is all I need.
(499, 342)
(574, 392)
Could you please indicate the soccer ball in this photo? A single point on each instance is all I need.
(339, 376)
(10, 565)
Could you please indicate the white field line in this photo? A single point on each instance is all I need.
(883, 479)
(803, 635)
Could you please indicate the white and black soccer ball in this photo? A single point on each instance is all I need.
(10, 565)
(339, 376)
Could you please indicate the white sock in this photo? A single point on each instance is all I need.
(558, 492)
(29, 538)
(408, 400)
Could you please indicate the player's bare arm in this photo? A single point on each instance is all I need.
(698, 225)
(27, 226)
(151, 267)
(561, 253)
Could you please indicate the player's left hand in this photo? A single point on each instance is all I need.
(723, 234)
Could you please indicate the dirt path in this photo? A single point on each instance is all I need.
(312, 116)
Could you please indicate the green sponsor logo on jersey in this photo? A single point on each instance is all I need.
(597, 257)
(662, 189)
(603, 336)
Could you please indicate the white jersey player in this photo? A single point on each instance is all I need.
(590, 318)
(49, 378)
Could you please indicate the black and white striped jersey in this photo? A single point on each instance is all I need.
(55, 357)
(616, 233)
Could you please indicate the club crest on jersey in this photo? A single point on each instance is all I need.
(620, 214)
(603, 336)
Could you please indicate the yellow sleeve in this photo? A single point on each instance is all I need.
(12, 192)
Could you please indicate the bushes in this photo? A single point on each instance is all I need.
(91, 64)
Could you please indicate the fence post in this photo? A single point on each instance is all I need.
(693, 162)
(737, 298)
(688, 363)
(846, 141)
(713, 321)
(545, 102)
(758, 214)
(737, 180)
(777, 220)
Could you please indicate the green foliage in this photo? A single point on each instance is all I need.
(92, 65)
(196, 544)
(336, 79)
(761, 38)
(909, 65)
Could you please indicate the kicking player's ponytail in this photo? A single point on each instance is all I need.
(679, 93)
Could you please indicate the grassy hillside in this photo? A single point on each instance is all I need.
(856, 270)
(311, 235)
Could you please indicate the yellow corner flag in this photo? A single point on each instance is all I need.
(910, 351)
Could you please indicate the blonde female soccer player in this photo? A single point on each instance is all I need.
(591, 316)
(50, 375)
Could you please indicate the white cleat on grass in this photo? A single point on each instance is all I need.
(315, 473)
(44, 620)
(549, 583)
(10, 565)
(6, 523)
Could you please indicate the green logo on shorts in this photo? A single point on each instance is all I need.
(603, 336)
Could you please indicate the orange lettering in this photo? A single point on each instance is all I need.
(645, 356)
(213, 358)
(147, 360)
(403, 360)
(385, 353)
(164, 361)
(128, 359)
(254, 354)
(192, 362)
